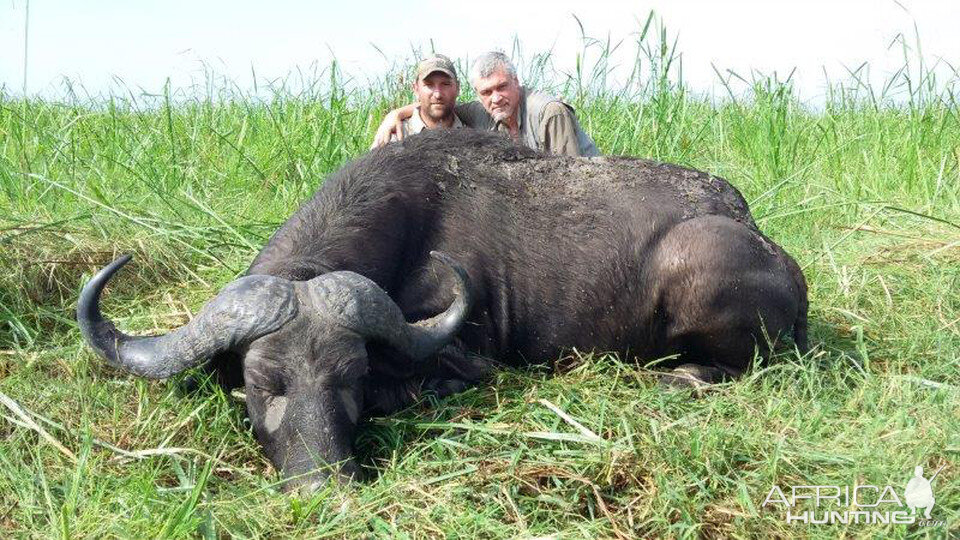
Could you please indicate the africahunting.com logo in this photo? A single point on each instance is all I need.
(858, 503)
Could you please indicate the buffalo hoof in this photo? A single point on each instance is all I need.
(700, 379)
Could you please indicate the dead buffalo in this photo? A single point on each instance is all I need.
(612, 254)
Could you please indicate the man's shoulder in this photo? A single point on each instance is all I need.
(556, 120)
(410, 126)
(404, 128)
(546, 103)
(415, 122)
(557, 107)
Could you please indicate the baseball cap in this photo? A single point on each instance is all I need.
(437, 62)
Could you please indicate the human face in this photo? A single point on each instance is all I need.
(437, 94)
(500, 95)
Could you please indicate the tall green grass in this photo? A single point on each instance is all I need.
(862, 189)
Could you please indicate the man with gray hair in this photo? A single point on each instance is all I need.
(534, 119)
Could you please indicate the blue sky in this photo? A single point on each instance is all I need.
(143, 43)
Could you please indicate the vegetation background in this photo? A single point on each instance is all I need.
(862, 188)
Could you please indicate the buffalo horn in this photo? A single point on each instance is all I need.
(245, 310)
(360, 304)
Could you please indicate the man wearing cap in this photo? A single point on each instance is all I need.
(534, 119)
(436, 89)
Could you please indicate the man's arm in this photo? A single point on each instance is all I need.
(473, 115)
(558, 130)
(392, 125)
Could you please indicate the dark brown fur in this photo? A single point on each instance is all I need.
(614, 254)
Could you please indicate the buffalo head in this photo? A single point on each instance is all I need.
(305, 356)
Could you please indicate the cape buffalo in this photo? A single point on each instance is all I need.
(615, 254)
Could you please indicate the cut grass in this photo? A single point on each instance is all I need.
(863, 193)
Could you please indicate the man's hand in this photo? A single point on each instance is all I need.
(392, 125)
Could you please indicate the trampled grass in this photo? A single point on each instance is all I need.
(863, 191)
